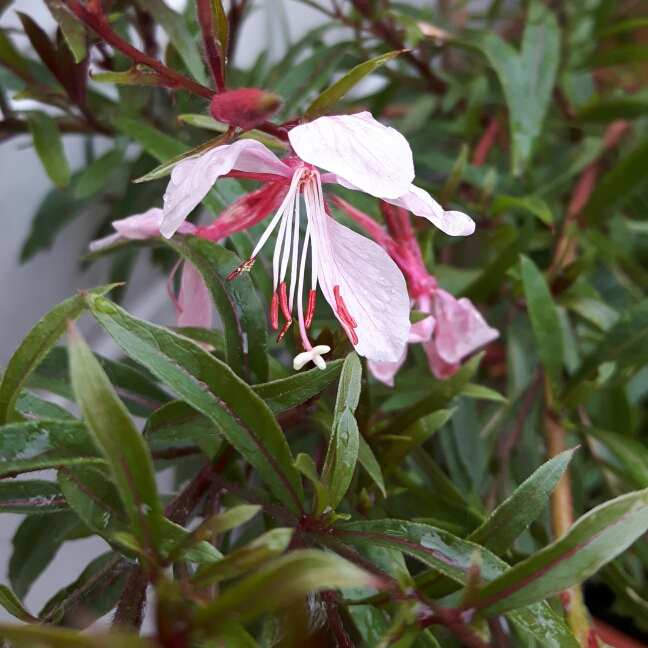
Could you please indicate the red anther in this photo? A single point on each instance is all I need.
(565, 599)
(592, 641)
(274, 312)
(284, 329)
(344, 315)
(310, 311)
(244, 267)
(283, 300)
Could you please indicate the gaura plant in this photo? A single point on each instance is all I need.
(464, 461)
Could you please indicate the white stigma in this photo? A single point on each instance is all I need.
(314, 356)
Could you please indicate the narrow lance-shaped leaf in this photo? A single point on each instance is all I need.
(37, 445)
(72, 28)
(342, 453)
(31, 497)
(595, 539)
(515, 514)
(332, 95)
(211, 387)
(176, 29)
(49, 146)
(47, 636)
(119, 441)
(527, 78)
(279, 582)
(35, 347)
(12, 604)
(244, 332)
(544, 320)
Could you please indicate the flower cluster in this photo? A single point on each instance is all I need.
(359, 279)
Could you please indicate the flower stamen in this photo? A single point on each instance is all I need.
(274, 312)
(345, 317)
(283, 300)
(310, 310)
(285, 328)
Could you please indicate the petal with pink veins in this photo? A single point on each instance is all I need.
(371, 290)
(460, 329)
(194, 303)
(420, 203)
(191, 179)
(138, 228)
(358, 149)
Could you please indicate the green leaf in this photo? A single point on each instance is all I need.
(516, 513)
(31, 497)
(493, 275)
(481, 392)
(96, 591)
(617, 55)
(455, 176)
(332, 95)
(153, 141)
(133, 76)
(342, 453)
(35, 544)
(595, 539)
(249, 330)
(49, 146)
(307, 467)
(220, 30)
(368, 461)
(179, 35)
(532, 204)
(35, 347)
(618, 184)
(441, 394)
(38, 445)
(72, 28)
(94, 177)
(55, 212)
(545, 322)
(527, 78)
(451, 556)
(625, 343)
(13, 605)
(278, 583)
(141, 395)
(119, 442)
(33, 407)
(212, 388)
(285, 393)
(44, 636)
(254, 554)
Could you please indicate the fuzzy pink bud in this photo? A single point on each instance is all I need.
(245, 107)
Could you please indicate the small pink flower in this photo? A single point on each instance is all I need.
(454, 328)
(362, 284)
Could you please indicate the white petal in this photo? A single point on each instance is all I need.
(420, 203)
(359, 150)
(371, 285)
(460, 329)
(191, 179)
(422, 330)
(194, 300)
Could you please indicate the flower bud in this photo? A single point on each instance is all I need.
(245, 107)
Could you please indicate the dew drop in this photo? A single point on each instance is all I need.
(364, 292)
(166, 197)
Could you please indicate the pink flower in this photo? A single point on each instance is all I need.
(454, 328)
(193, 304)
(361, 283)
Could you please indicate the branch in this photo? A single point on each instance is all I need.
(97, 22)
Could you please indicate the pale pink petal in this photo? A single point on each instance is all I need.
(138, 228)
(420, 203)
(422, 331)
(386, 371)
(371, 286)
(358, 149)
(438, 366)
(191, 179)
(460, 329)
(194, 303)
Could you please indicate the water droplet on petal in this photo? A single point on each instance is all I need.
(364, 292)
(166, 197)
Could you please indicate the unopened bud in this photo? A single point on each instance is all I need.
(245, 107)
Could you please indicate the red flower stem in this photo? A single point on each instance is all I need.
(94, 19)
(213, 50)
